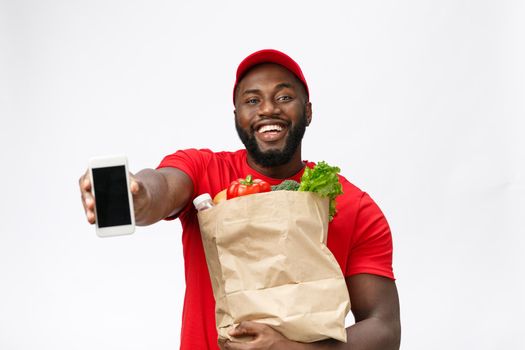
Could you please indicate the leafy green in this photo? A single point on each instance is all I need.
(286, 185)
(323, 180)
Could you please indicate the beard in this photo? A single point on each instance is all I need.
(272, 158)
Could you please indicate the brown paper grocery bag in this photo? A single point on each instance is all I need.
(268, 262)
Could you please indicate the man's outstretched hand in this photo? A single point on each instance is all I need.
(88, 201)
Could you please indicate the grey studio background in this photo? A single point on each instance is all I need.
(421, 104)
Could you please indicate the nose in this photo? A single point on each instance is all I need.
(268, 108)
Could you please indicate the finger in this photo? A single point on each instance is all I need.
(85, 190)
(85, 182)
(246, 328)
(235, 332)
(90, 215)
(89, 201)
(232, 345)
(89, 207)
(134, 186)
(89, 210)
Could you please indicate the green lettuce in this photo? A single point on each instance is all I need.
(323, 180)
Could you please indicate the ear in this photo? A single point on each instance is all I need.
(308, 113)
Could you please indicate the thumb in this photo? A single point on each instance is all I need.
(134, 185)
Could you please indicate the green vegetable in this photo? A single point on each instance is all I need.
(323, 180)
(286, 185)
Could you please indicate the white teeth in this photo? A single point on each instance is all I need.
(266, 128)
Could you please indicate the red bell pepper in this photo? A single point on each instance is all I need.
(243, 187)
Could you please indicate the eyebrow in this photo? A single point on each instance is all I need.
(277, 87)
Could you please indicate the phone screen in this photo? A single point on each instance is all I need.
(111, 196)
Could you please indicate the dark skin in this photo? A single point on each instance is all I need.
(271, 94)
(268, 95)
(375, 307)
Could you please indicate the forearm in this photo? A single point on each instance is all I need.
(369, 334)
(152, 204)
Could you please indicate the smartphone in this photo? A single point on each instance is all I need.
(113, 201)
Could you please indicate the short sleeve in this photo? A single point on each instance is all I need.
(193, 163)
(371, 248)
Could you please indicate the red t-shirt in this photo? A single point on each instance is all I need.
(358, 236)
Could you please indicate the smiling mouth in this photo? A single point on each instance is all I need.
(270, 128)
(271, 132)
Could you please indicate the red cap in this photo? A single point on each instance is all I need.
(269, 56)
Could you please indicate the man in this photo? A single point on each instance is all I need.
(272, 111)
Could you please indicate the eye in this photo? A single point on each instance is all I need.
(284, 98)
(252, 101)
